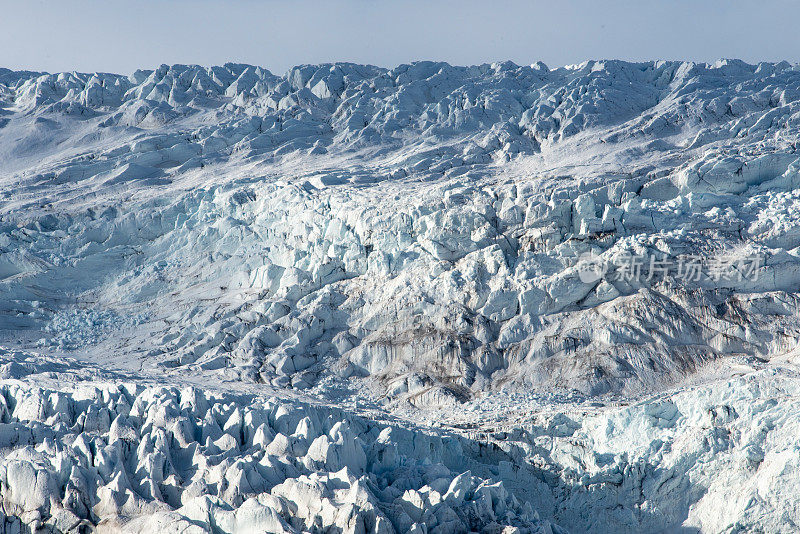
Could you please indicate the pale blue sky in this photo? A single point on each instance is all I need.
(122, 36)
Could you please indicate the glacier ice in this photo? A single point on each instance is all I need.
(131, 458)
(400, 242)
(128, 456)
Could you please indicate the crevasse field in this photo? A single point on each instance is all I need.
(430, 299)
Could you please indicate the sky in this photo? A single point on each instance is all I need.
(117, 36)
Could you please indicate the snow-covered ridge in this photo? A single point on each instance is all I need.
(420, 226)
(520, 106)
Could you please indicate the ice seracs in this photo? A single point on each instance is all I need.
(388, 238)
(132, 458)
(419, 221)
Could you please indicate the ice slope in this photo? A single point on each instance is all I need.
(420, 226)
(710, 458)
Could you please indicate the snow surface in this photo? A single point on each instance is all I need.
(394, 255)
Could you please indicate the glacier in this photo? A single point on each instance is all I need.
(353, 298)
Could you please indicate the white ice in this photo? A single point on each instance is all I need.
(400, 246)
